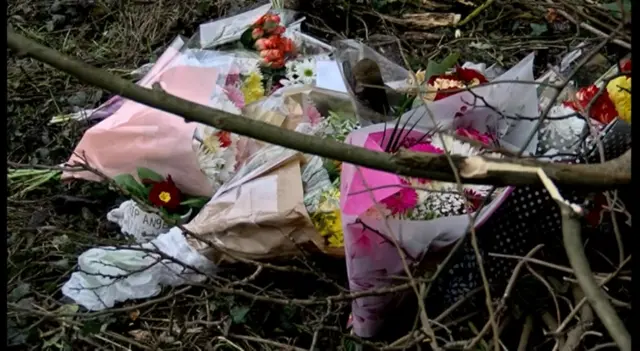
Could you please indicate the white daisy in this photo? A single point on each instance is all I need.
(453, 145)
(300, 72)
(306, 70)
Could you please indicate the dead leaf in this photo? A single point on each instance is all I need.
(426, 20)
(140, 335)
(134, 315)
(552, 15)
(480, 46)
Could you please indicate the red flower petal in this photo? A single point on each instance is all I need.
(603, 110)
(165, 194)
(224, 137)
(625, 65)
(468, 74)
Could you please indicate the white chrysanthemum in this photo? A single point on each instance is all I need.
(216, 162)
(247, 65)
(453, 145)
(306, 70)
(457, 147)
(300, 72)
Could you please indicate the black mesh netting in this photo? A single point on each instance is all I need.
(527, 218)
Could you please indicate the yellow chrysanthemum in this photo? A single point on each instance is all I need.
(252, 88)
(327, 219)
(619, 91)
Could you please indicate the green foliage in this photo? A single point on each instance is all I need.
(435, 68)
(616, 11)
(538, 29)
(148, 174)
(129, 184)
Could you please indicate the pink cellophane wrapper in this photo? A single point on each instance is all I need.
(372, 256)
(139, 136)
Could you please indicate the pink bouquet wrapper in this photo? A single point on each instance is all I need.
(371, 253)
(139, 136)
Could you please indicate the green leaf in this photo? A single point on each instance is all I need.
(435, 68)
(146, 173)
(195, 202)
(247, 39)
(130, 185)
(91, 327)
(538, 29)
(19, 292)
(614, 8)
(239, 314)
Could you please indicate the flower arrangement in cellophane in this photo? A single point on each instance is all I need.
(614, 101)
(266, 36)
(324, 205)
(439, 86)
(424, 199)
(216, 152)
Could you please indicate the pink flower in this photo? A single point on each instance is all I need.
(257, 33)
(234, 94)
(275, 87)
(474, 199)
(402, 201)
(312, 114)
(233, 77)
(473, 134)
(426, 147)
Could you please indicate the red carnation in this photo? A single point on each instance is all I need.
(165, 194)
(625, 65)
(224, 137)
(603, 110)
(468, 75)
(257, 33)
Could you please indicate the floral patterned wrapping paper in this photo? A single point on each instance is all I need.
(370, 236)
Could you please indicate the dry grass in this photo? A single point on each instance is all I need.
(51, 225)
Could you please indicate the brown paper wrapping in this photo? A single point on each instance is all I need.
(262, 215)
(263, 218)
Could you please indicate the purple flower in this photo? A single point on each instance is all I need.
(235, 96)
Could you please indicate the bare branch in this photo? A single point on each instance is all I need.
(421, 165)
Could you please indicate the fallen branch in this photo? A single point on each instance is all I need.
(430, 166)
(571, 236)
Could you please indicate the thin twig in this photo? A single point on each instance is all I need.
(421, 165)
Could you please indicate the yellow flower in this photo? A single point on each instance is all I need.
(420, 78)
(619, 90)
(252, 88)
(327, 219)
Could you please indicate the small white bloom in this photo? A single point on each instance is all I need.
(216, 162)
(301, 71)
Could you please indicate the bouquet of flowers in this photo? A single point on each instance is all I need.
(321, 178)
(160, 192)
(614, 102)
(217, 154)
(380, 210)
